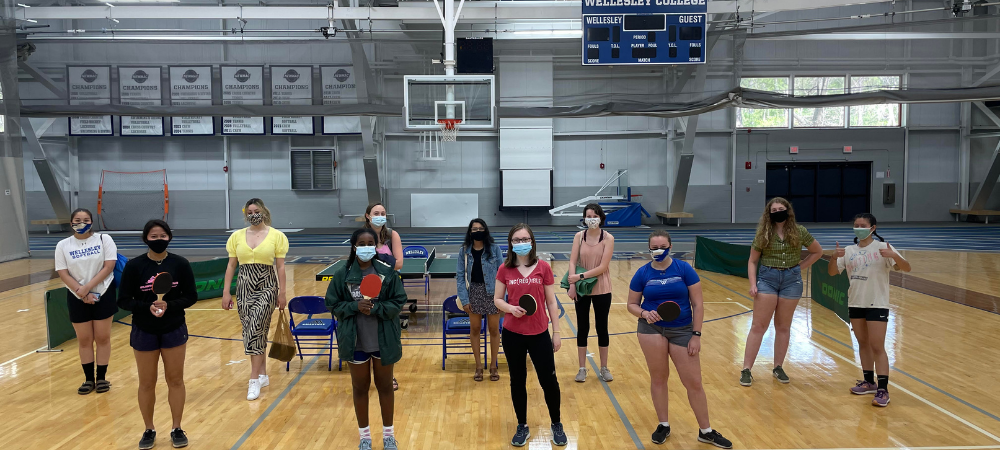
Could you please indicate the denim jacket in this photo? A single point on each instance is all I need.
(464, 270)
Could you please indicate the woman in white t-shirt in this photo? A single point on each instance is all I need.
(85, 263)
(868, 263)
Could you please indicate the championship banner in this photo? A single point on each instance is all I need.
(291, 86)
(242, 85)
(191, 86)
(140, 86)
(89, 85)
(339, 88)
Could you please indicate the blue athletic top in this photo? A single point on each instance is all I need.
(659, 286)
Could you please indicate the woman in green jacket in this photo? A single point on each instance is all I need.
(368, 335)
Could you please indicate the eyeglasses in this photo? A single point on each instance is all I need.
(521, 241)
(479, 229)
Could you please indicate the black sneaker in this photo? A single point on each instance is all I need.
(746, 379)
(661, 434)
(521, 436)
(178, 438)
(558, 435)
(148, 439)
(715, 438)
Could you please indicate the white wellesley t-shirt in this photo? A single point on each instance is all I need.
(869, 274)
(84, 258)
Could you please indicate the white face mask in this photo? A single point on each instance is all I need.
(592, 222)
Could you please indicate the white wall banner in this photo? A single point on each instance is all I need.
(191, 86)
(291, 86)
(242, 85)
(339, 88)
(89, 85)
(140, 86)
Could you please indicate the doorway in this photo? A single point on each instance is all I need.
(822, 191)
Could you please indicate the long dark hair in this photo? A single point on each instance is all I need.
(871, 220)
(354, 242)
(489, 238)
(153, 224)
(511, 256)
(596, 208)
(383, 235)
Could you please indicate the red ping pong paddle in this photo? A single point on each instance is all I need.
(668, 311)
(162, 283)
(528, 304)
(371, 286)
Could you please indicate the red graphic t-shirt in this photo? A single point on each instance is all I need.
(518, 285)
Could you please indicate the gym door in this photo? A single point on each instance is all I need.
(822, 192)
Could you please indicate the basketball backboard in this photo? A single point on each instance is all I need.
(429, 99)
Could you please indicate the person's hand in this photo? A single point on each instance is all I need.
(365, 306)
(282, 302)
(887, 252)
(81, 292)
(227, 301)
(753, 291)
(517, 311)
(93, 297)
(88, 298)
(556, 342)
(467, 308)
(158, 308)
(694, 345)
(652, 316)
(838, 252)
(571, 293)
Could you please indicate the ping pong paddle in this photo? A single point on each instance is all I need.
(668, 311)
(162, 283)
(371, 286)
(528, 304)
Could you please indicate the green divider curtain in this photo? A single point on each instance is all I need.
(720, 257)
(830, 292)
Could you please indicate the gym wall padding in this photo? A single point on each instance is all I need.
(208, 275)
(721, 257)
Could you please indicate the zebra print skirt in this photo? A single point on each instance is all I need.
(256, 298)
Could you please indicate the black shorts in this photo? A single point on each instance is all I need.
(80, 312)
(148, 342)
(869, 314)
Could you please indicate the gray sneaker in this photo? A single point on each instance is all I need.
(366, 444)
(389, 443)
(581, 376)
(746, 379)
(779, 373)
(606, 375)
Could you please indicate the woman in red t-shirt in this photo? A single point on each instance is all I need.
(524, 334)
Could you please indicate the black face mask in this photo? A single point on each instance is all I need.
(478, 235)
(780, 216)
(158, 245)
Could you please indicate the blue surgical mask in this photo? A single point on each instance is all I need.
(660, 254)
(863, 233)
(82, 228)
(378, 221)
(522, 249)
(365, 253)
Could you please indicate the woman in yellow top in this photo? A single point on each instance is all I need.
(260, 251)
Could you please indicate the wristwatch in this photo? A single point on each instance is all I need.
(581, 276)
(696, 333)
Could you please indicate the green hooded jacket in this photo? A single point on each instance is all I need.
(386, 308)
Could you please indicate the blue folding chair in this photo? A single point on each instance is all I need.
(456, 323)
(503, 251)
(316, 333)
(414, 252)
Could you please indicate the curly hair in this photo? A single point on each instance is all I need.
(765, 229)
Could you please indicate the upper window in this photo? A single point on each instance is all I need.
(763, 118)
(819, 117)
(885, 115)
(881, 115)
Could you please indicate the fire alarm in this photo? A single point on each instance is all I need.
(748, 165)
(602, 166)
(225, 168)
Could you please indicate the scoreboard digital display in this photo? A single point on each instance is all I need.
(644, 31)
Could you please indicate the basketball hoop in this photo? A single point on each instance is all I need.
(449, 129)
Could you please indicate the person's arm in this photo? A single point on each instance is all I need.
(227, 298)
(553, 304)
(815, 253)
(574, 254)
(129, 288)
(836, 264)
(498, 299)
(110, 259)
(899, 263)
(697, 317)
(397, 250)
(336, 302)
(609, 251)
(388, 307)
(463, 292)
(752, 271)
(187, 286)
(279, 265)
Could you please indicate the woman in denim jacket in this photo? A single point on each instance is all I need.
(478, 261)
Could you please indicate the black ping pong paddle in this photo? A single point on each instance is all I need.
(668, 311)
(162, 284)
(527, 302)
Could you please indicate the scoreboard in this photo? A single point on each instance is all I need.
(644, 32)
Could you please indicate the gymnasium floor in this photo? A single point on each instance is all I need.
(944, 391)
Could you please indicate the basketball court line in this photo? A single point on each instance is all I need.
(273, 405)
(22, 356)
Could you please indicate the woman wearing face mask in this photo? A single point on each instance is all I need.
(478, 261)
(368, 334)
(388, 240)
(159, 330)
(85, 263)
(777, 287)
(528, 335)
(868, 264)
(260, 251)
(668, 280)
(592, 251)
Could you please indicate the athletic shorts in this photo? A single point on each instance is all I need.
(675, 335)
(148, 342)
(869, 314)
(80, 312)
(363, 357)
(785, 283)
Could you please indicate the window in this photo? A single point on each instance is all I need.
(819, 117)
(763, 118)
(313, 170)
(875, 115)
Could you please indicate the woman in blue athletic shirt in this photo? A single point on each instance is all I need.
(666, 279)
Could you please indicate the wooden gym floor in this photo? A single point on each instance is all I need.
(943, 385)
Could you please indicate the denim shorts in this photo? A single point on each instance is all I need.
(148, 342)
(785, 283)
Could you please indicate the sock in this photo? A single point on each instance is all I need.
(388, 432)
(666, 424)
(102, 371)
(869, 376)
(883, 382)
(366, 433)
(88, 371)
(706, 430)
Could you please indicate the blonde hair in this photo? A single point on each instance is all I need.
(383, 234)
(765, 229)
(264, 212)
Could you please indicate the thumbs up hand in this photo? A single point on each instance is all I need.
(887, 252)
(838, 252)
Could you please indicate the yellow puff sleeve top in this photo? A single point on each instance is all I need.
(274, 245)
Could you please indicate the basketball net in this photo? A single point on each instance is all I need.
(449, 129)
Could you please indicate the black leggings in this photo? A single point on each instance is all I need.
(516, 348)
(602, 307)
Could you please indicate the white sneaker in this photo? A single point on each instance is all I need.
(254, 391)
(264, 381)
